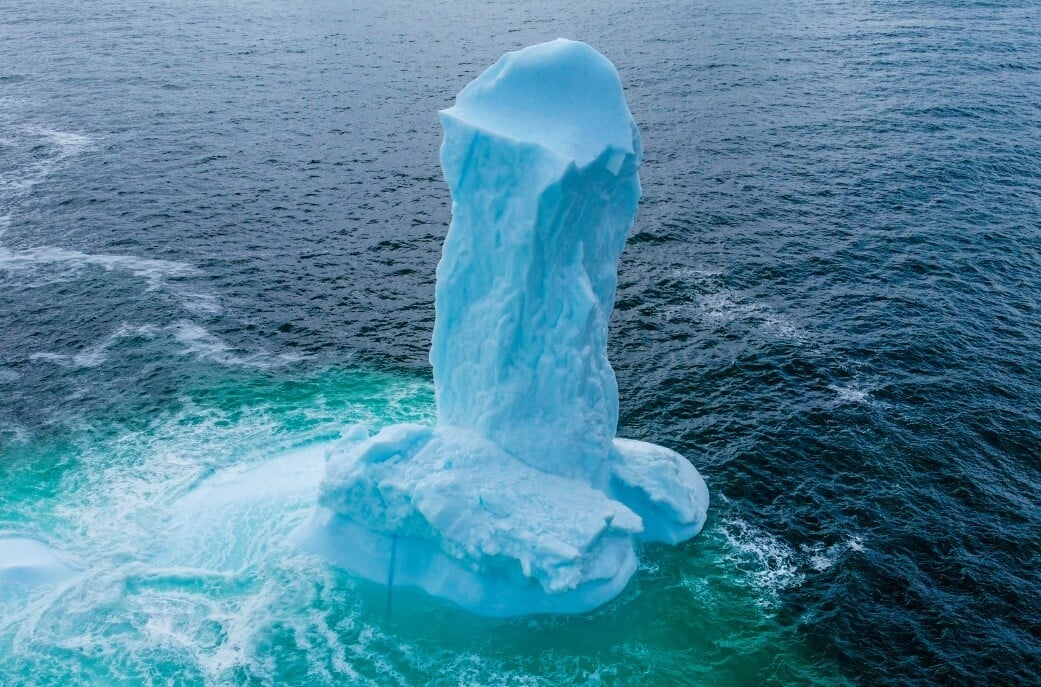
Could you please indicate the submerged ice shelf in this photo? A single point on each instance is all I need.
(521, 499)
(27, 563)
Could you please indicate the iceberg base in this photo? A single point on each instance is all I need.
(452, 513)
(411, 562)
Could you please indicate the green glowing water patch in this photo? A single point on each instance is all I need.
(176, 524)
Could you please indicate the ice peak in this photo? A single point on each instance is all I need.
(562, 95)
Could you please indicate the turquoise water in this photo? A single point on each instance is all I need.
(219, 224)
(177, 524)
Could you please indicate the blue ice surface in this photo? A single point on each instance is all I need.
(521, 500)
(26, 563)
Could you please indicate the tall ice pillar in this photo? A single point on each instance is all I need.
(541, 155)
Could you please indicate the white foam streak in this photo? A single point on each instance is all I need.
(96, 354)
(45, 265)
(194, 340)
(20, 180)
(69, 143)
(199, 341)
(153, 271)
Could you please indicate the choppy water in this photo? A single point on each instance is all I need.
(219, 222)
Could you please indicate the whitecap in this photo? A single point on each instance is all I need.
(850, 394)
(767, 561)
(726, 307)
(821, 558)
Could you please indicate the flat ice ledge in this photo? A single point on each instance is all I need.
(452, 513)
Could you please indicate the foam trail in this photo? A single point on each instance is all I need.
(44, 265)
(153, 271)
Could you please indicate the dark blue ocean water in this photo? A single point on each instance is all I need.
(219, 222)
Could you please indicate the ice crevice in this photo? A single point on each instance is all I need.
(521, 499)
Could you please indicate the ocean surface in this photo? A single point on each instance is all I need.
(219, 223)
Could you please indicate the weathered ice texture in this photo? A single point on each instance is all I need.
(541, 155)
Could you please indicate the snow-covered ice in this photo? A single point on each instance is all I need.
(521, 500)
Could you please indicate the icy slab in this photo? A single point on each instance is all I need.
(521, 500)
(26, 563)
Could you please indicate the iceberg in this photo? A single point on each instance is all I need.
(521, 499)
